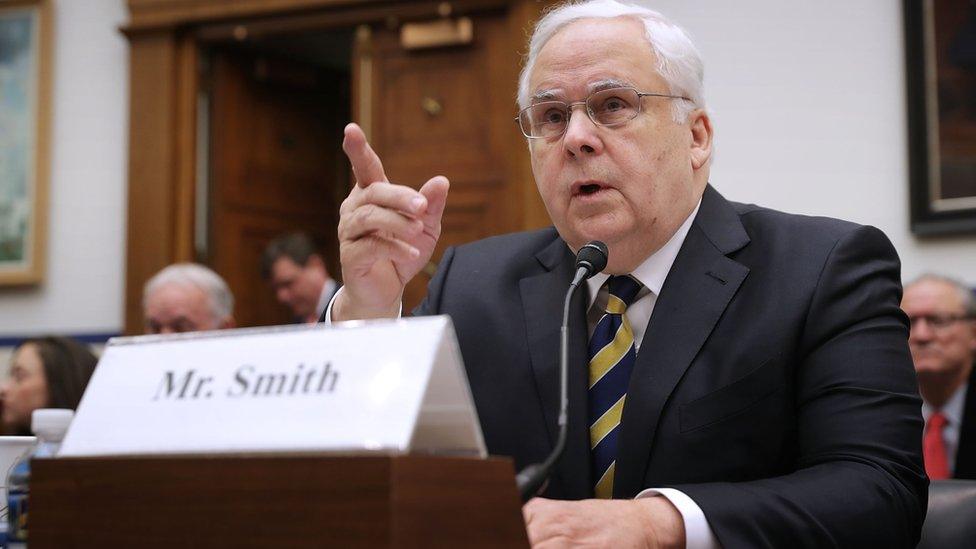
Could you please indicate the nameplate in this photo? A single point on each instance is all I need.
(393, 386)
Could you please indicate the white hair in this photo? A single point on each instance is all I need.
(678, 60)
(194, 275)
(966, 296)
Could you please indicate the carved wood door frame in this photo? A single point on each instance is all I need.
(165, 38)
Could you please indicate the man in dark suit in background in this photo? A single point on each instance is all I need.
(297, 273)
(942, 312)
(747, 375)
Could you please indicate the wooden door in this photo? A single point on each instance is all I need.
(447, 111)
(276, 166)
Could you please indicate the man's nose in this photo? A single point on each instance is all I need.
(582, 134)
(920, 330)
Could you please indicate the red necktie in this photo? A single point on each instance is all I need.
(933, 445)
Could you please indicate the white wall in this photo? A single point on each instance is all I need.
(82, 291)
(809, 107)
(809, 110)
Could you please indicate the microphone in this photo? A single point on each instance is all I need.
(590, 259)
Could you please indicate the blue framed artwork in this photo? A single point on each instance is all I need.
(24, 92)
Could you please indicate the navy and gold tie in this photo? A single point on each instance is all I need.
(612, 356)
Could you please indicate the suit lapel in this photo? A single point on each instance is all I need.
(542, 303)
(966, 452)
(697, 290)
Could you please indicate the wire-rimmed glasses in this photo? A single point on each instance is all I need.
(938, 321)
(609, 107)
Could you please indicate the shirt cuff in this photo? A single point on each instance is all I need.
(698, 534)
(327, 316)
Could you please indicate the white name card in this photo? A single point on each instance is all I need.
(388, 386)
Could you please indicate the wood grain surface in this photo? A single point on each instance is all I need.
(275, 501)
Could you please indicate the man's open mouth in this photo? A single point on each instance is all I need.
(587, 188)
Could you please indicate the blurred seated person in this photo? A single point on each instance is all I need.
(45, 372)
(187, 297)
(298, 276)
(942, 312)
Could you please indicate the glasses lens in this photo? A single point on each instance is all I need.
(613, 106)
(936, 322)
(544, 119)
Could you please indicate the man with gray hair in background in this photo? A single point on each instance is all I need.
(738, 376)
(942, 312)
(186, 297)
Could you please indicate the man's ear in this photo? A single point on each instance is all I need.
(701, 138)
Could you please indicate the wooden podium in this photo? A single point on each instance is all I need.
(275, 501)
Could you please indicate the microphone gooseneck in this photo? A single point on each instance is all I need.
(591, 259)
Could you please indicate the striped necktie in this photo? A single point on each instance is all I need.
(612, 356)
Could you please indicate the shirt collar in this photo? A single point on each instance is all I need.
(953, 407)
(654, 270)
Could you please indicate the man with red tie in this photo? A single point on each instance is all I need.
(943, 343)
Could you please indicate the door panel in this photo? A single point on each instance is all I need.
(435, 113)
(276, 167)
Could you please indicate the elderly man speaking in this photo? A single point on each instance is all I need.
(739, 376)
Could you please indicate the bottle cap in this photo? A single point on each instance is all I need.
(50, 424)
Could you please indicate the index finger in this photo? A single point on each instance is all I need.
(366, 165)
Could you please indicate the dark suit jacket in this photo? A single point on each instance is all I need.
(966, 451)
(774, 384)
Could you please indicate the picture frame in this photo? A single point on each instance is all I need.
(940, 52)
(25, 48)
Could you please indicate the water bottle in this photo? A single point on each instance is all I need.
(49, 425)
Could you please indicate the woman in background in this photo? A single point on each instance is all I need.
(45, 372)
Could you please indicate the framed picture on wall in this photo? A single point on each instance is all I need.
(940, 51)
(24, 108)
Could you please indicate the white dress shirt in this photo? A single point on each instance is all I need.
(325, 298)
(652, 273)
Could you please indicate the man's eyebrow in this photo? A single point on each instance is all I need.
(608, 84)
(550, 95)
(543, 95)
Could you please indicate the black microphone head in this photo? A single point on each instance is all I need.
(592, 257)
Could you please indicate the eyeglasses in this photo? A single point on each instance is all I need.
(610, 107)
(937, 322)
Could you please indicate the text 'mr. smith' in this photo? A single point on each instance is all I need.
(247, 381)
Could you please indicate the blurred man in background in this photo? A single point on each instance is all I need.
(187, 297)
(943, 343)
(298, 276)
